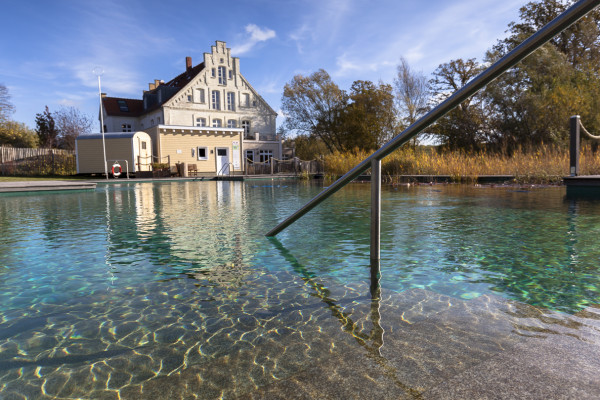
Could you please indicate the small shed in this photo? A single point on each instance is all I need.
(132, 150)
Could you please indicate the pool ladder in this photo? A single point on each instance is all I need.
(553, 28)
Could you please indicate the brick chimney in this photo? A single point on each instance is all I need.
(188, 63)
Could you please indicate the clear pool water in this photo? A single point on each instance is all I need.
(171, 290)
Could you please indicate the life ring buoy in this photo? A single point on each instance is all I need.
(116, 170)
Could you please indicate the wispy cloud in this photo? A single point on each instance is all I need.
(256, 35)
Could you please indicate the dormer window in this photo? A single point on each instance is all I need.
(123, 105)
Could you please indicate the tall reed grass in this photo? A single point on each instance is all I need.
(544, 164)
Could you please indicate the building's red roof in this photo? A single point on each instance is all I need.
(113, 105)
(116, 106)
(183, 79)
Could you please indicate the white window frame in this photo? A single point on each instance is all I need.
(217, 123)
(202, 158)
(246, 125)
(231, 101)
(264, 156)
(231, 123)
(201, 97)
(222, 75)
(216, 100)
(200, 120)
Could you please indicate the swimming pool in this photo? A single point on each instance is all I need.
(171, 290)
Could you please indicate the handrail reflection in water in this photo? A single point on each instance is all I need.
(348, 325)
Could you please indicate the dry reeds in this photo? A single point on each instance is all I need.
(543, 164)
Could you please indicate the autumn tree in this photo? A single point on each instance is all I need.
(465, 126)
(17, 134)
(70, 123)
(6, 107)
(46, 129)
(532, 102)
(411, 95)
(312, 105)
(369, 119)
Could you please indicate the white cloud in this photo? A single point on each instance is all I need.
(257, 35)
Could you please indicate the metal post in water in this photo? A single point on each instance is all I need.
(375, 208)
(575, 144)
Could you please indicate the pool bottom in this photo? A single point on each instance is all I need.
(299, 338)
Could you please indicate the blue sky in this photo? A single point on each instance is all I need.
(49, 48)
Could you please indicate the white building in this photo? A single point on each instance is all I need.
(212, 94)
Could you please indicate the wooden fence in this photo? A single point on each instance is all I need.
(275, 166)
(30, 162)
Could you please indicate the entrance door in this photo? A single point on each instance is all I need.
(141, 154)
(222, 161)
(145, 159)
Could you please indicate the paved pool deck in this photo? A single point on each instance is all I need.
(67, 185)
(38, 186)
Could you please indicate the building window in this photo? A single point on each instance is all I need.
(200, 121)
(126, 128)
(123, 106)
(213, 72)
(143, 145)
(246, 100)
(202, 153)
(250, 156)
(231, 123)
(246, 127)
(217, 123)
(201, 98)
(231, 101)
(190, 98)
(264, 156)
(230, 74)
(152, 122)
(222, 75)
(216, 100)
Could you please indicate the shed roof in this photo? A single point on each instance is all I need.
(109, 135)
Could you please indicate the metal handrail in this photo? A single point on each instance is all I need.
(554, 27)
(220, 173)
(126, 165)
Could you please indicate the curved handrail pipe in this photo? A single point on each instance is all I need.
(554, 27)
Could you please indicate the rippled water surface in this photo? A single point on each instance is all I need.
(171, 290)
